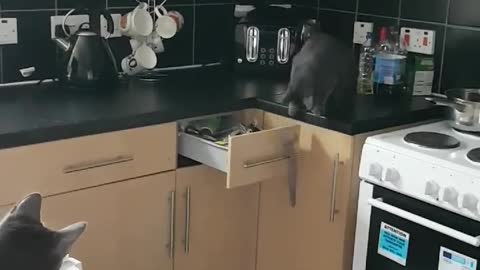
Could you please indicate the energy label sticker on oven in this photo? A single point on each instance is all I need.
(451, 260)
(393, 243)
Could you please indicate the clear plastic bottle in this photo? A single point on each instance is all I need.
(365, 68)
(390, 64)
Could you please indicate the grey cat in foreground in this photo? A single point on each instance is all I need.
(323, 72)
(25, 244)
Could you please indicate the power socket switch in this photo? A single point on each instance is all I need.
(360, 31)
(73, 23)
(418, 40)
(8, 31)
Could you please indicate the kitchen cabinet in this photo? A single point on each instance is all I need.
(315, 234)
(129, 223)
(61, 166)
(216, 228)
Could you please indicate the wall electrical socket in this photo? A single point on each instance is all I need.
(418, 40)
(360, 31)
(116, 22)
(8, 31)
(73, 22)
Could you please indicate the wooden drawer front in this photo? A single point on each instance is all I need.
(260, 156)
(249, 158)
(66, 165)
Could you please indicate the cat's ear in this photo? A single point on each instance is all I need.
(29, 207)
(67, 237)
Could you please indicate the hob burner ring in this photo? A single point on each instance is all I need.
(432, 140)
(474, 155)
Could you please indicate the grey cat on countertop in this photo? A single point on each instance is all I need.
(323, 72)
(25, 244)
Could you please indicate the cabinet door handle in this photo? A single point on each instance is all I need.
(247, 165)
(333, 195)
(171, 245)
(188, 200)
(97, 163)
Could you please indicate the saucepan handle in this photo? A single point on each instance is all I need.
(448, 103)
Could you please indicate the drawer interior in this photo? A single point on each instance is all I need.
(246, 158)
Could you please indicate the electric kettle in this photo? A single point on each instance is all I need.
(88, 59)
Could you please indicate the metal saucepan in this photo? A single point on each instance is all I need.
(465, 108)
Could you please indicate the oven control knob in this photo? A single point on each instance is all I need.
(432, 189)
(450, 195)
(470, 202)
(376, 171)
(393, 176)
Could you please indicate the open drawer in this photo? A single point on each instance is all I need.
(248, 158)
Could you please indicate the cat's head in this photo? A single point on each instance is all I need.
(25, 244)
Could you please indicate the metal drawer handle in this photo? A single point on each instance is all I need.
(98, 163)
(471, 240)
(188, 198)
(260, 163)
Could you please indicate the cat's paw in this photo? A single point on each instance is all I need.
(319, 110)
(295, 109)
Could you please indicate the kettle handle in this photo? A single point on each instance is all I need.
(109, 18)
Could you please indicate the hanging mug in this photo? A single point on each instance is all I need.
(155, 42)
(168, 22)
(138, 22)
(143, 58)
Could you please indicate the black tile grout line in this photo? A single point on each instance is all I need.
(422, 21)
(399, 11)
(1, 55)
(442, 62)
(29, 10)
(1, 65)
(357, 7)
(337, 10)
(377, 16)
(194, 32)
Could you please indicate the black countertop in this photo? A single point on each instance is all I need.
(34, 114)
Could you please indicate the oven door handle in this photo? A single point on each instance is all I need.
(471, 240)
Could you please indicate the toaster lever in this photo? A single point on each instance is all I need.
(252, 44)
(283, 46)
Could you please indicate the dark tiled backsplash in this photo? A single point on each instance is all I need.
(456, 22)
(205, 37)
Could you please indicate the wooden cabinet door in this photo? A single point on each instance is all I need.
(222, 229)
(309, 236)
(128, 223)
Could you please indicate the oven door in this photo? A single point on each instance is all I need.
(405, 233)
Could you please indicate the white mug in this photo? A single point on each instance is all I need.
(168, 23)
(155, 42)
(137, 42)
(143, 58)
(130, 65)
(137, 22)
